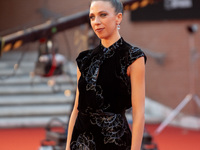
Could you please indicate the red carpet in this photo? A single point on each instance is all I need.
(171, 138)
(21, 139)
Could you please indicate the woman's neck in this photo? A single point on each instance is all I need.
(109, 41)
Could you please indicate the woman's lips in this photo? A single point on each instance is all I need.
(99, 29)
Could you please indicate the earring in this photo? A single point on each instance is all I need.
(118, 26)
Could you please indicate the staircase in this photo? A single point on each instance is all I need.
(32, 101)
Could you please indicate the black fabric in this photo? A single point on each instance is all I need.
(104, 95)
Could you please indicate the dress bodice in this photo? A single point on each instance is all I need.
(104, 85)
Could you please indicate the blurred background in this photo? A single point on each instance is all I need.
(40, 40)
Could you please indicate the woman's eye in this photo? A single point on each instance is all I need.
(91, 17)
(103, 15)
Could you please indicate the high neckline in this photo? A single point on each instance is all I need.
(114, 46)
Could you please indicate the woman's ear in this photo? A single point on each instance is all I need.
(119, 18)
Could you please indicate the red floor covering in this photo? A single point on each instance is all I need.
(171, 138)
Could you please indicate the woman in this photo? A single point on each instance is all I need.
(111, 79)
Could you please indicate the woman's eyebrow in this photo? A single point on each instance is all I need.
(103, 11)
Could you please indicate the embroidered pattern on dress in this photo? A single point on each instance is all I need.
(91, 74)
(112, 126)
(82, 61)
(92, 71)
(84, 142)
(134, 53)
(108, 52)
(99, 96)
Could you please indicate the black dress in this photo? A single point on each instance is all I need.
(104, 95)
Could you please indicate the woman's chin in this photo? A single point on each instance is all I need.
(101, 37)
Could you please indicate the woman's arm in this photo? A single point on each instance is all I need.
(73, 115)
(137, 75)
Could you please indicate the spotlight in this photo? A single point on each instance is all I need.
(192, 28)
(49, 62)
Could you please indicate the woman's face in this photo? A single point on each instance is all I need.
(104, 19)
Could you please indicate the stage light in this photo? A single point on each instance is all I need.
(49, 44)
(139, 4)
(135, 6)
(144, 3)
(49, 62)
(17, 44)
(7, 47)
(192, 28)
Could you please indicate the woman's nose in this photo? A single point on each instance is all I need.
(97, 20)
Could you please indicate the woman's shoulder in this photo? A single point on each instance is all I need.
(84, 53)
(82, 58)
(132, 52)
(131, 47)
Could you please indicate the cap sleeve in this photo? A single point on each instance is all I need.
(135, 53)
(81, 58)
